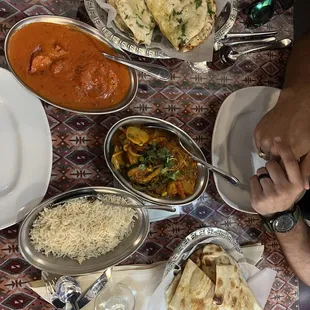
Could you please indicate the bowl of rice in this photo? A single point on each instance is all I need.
(70, 234)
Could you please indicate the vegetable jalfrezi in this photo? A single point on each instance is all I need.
(154, 162)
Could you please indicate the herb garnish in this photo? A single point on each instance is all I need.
(210, 12)
(198, 3)
(183, 29)
(139, 25)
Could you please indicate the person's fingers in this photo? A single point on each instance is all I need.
(266, 183)
(276, 173)
(256, 188)
(305, 170)
(289, 161)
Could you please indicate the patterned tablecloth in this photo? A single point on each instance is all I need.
(191, 101)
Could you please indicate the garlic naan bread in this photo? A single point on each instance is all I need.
(206, 30)
(137, 17)
(195, 290)
(209, 257)
(118, 20)
(185, 23)
(172, 288)
(232, 291)
(179, 20)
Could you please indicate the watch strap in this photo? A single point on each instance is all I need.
(268, 222)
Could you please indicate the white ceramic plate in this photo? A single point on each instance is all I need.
(233, 147)
(26, 151)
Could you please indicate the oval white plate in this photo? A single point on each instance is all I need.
(233, 147)
(26, 151)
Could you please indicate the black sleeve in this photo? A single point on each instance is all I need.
(301, 18)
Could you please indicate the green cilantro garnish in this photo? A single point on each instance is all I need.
(198, 3)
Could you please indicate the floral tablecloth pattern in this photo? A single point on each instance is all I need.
(191, 101)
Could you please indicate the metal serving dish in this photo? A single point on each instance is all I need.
(68, 266)
(203, 172)
(88, 30)
(181, 252)
(99, 17)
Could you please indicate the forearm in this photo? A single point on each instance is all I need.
(296, 87)
(296, 248)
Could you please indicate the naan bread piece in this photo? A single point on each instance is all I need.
(172, 288)
(195, 290)
(207, 29)
(137, 18)
(118, 20)
(210, 256)
(179, 20)
(232, 291)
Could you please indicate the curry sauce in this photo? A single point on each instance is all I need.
(65, 66)
(154, 162)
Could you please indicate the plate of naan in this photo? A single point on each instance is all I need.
(151, 27)
(211, 280)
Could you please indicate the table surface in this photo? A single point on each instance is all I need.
(191, 101)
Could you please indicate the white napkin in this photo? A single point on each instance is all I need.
(142, 279)
(148, 283)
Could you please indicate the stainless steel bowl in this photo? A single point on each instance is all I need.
(203, 173)
(68, 266)
(88, 30)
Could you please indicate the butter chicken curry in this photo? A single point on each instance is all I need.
(65, 66)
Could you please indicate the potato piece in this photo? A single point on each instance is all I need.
(117, 160)
(171, 189)
(137, 135)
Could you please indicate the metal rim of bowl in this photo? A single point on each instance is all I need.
(83, 27)
(72, 268)
(128, 45)
(195, 237)
(203, 177)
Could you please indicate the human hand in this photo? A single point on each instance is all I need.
(290, 121)
(283, 188)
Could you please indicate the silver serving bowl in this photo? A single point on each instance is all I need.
(100, 17)
(203, 172)
(68, 266)
(88, 30)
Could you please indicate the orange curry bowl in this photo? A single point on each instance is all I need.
(60, 61)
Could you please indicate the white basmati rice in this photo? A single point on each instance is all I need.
(81, 229)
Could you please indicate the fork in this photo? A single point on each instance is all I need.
(50, 287)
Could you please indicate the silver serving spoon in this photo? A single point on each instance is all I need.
(93, 194)
(227, 176)
(220, 44)
(157, 71)
(229, 56)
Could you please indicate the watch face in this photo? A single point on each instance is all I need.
(284, 223)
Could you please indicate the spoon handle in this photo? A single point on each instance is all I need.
(157, 71)
(238, 35)
(254, 41)
(228, 177)
(275, 45)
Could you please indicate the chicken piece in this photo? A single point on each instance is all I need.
(143, 176)
(98, 80)
(58, 66)
(40, 63)
(57, 51)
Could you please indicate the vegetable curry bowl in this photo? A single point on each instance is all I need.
(145, 156)
(60, 60)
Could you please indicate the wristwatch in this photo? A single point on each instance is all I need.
(282, 222)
